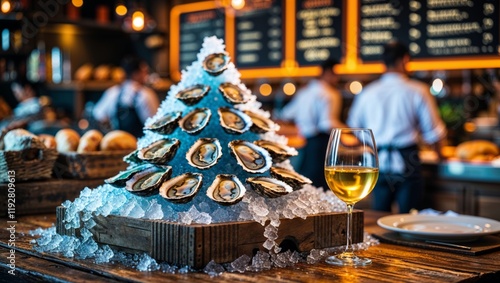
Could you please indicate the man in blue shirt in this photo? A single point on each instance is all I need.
(401, 112)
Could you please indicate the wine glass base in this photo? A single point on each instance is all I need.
(349, 260)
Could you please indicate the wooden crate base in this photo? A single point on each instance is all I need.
(36, 197)
(196, 245)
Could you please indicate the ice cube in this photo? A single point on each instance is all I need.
(213, 269)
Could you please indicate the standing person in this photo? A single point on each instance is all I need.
(400, 111)
(127, 106)
(316, 110)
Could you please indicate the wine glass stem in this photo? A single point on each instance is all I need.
(349, 249)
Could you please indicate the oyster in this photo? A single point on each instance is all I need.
(216, 63)
(252, 158)
(226, 189)
(195, 120)
(233, 93)
(204, 153)
(261, 124)
(267, 186)
(294, 179)
(192, 95)
(234, 121)
(147, 182)
(132, 157)
(182, 188)
(160, 151)
(166, 124)
(120, 179)
(279, 152)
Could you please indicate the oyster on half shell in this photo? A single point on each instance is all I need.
(216, 63)
(234, 121)
(192, 95)
(226, 189)
(279, 152)
(204, 153)
(166, 124)
(120, 179)
(160, 151)
(182, 188)
(270, 187)
(147, 182)
(294, 179)
(250, 157)
(233, 93)
(261, 124)
(195, 120)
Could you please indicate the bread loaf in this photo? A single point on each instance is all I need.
(476, 150)
(67, 140)
(20, 139)
(48, 140)
(90, 141)
(118, 140)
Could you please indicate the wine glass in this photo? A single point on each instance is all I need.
(351, 171)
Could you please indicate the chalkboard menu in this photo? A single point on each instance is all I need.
(259, 34)
(194, 26)
(318, 31)
(453, 28)
(431, 28)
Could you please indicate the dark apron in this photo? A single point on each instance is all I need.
(410, 158)
(126, 117)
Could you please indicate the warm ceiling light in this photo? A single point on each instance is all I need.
(237, 4)
(289, 88)
(121, 10)
(355, 87)
(138, 20)
(6, 6)
(77, 3)
(265, 89)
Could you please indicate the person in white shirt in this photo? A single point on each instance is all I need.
(316, 110)
(127, 106)
(401, 112)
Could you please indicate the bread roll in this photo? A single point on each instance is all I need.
(67, 140)
(118, 140)
(477, 148)
(90, 141)
(20, 139)
(48, 140)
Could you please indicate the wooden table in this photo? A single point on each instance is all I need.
(391, 263)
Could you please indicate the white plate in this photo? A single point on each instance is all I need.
(439, 227)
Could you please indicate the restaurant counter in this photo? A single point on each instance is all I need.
(466, 188)
(391, 263)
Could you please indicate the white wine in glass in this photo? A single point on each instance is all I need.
(351, 172)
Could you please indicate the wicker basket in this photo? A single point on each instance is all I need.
(28, 164)
(99, 164)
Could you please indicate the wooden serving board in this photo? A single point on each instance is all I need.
(36, 197)
(196, 245)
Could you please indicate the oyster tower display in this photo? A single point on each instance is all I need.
(214, 138)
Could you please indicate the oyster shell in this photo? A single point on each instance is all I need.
(147, 182)
(182, 188)
(279, 152)
(233, 93)
(294, 179)
(160, 151)
(192, 95)
(234, 121)
(216, 63)
(261, 124)
(252, 158)
(195, 120)
(120, 179)
(267, 186)
(226, 189)
(166, 124)
(132, 157)
(204, 153)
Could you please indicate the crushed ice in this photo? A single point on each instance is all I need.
(107, 200)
